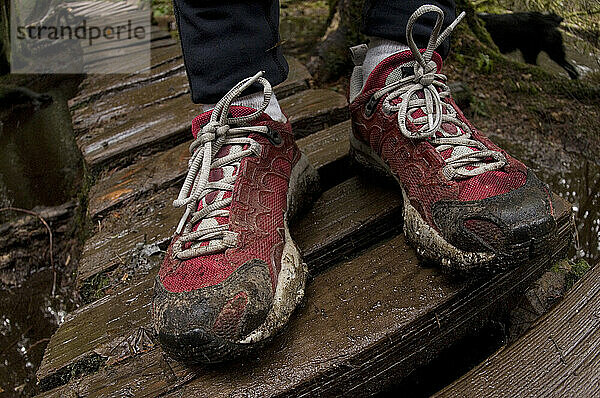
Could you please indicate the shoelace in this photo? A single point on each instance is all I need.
(426, 80)
(218, 132)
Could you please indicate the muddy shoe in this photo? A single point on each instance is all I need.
(232, 274)
(467, 203)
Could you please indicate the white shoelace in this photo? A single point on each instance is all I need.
(216, 134)
(426, 80)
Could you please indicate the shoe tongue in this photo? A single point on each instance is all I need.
(394, 68)
(234, 111)
(224, 171)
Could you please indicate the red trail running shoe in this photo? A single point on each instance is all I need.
(467, 203)
(232, 274)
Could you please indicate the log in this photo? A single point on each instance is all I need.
(558, 357)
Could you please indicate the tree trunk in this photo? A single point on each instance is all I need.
(332, 55)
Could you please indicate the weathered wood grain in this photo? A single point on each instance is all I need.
(328, 151)
(327, 146)
(112, 188)
(366, 322)
(314, 110)
(326, 233)
(148, 222)
(150, 119)
(109, 109)
(167, 80)
(297, 80)
(558, 357)
(165, 62)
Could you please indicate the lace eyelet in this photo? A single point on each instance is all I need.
(371, 106)
(274, 137)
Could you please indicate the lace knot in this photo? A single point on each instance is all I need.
(199, 230)
(425, 75)
(422, 111)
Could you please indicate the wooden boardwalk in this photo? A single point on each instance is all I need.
(372, 312)
(558, 357)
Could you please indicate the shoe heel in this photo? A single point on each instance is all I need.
(363, 155)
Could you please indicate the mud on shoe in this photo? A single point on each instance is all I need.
(232, 274)
(467, 203)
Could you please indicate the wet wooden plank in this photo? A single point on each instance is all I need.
(558, 357)
(327, 233)
(158, 115)
(327, 146)
(114, 99)
(163, 60)
(314, 110)
(146, 222)
(324, 149)
(297, 80)
(366, 322)
(109, 109)
(167, 61)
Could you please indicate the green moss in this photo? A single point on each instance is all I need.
(87, 365)
(161, 8)
(484, 63)
(82, 224)
(573, 271)
(95, 287)
(577, 271)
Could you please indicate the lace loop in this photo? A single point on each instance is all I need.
(199, 228)
(424, 91)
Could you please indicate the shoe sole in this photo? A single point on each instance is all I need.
(429, 244)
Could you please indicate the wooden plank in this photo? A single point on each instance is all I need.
(327, 233)
(165, 61)
(146, 222)
(324, 149)
(367, 321)
(558, 357)
(169, 77)
(327, 146)
(127, 130)
(297, 80)
(314, 110)
(159, 114)
(106, 111)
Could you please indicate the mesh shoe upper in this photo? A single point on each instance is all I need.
(417, 162)
(476, 196)
(256, 213)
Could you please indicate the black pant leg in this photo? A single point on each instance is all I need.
(388, 19)
(225, 41)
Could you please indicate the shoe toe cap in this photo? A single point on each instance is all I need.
(512, 225)
(206, 324)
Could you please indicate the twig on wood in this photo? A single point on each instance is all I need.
(33, 213)
(41, 341)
